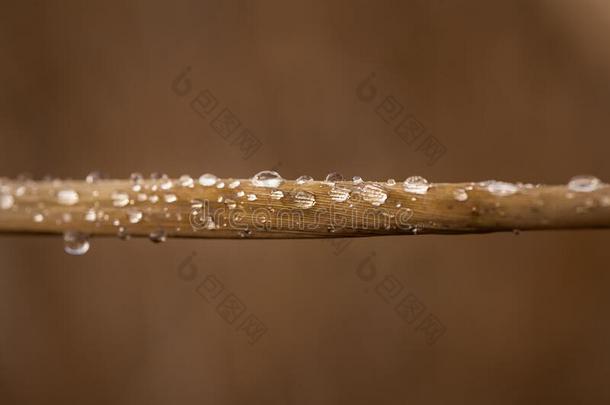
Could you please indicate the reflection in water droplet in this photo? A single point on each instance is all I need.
(207, 180)
(416, 184)
(67, 197)
(304, 179)
(267, 178)
(76, 243)
(460, 194)
(339, 194)
(501, 189)
(374, 194)
(276, 194)
(6, 201)
(584, 184)
(120, 198)
(304, 199)
(158, 236)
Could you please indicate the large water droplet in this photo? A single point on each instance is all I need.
(584, 184)
(416, 185)
(186, 181)
(374, 194)
(304, 179)
(76, 243)
(6, 201)
(267, 178)
(158, 236)
(460, 194)
(120, 198)
(304, 199)
(67, 197)
(501, 189)
(207, 180)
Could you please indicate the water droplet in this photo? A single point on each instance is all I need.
(267, 178)
(357, 180)
(38, 217)
(207, 180)
(90, 215)
(166, 183)
(153, 198)
(240, 193)
(605, 201)
(332, 178)
(460, 194)
(374, 194)
(231, 204)
(501, 189)
(276, 195)
(416, 184)
(391, 182)
(136, 178)
(234, 184)
(141, 197)
(339, 194)
(76, 243)
(186, 181)
(134, 215)
(67, 197)
(120, 198)
(220, 184)
(584, 184)
(6, 201)
(66, 217)
(170, 198)
(304, 179)
(93, 177)
(158, 236)
(123, 234)
(251, 197)
(304, 199)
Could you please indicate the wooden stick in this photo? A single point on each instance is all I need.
(228, 208)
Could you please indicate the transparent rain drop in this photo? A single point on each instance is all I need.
(134, 215)
(460, 194)
(276, 194)
(584, 184)
(90, 215)
(76, 243)
(357, 180)
(6, 201)
(304, 199)
(391, 182)
(251, 197)
(332, 178)
(234, 184)
(339, 194)
(416, 185)
(240, 193)
(267, 178)
(67, 197)
(186, 181)
(304, 179)
(38, 217)
(374, 194)
(93, 177)
(501, 189)
(170, 198)
(207, 180)
(153, 198)
(158, 236)
(120, 198)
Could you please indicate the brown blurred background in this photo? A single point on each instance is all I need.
(513, 90)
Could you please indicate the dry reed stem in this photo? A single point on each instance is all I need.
(438, 211)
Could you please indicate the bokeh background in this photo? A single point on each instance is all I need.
(513, 90)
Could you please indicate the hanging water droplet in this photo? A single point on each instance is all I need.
(501, 189)
(170, 198)
(460, 194)
(207, 180)
(304, 199)
(234, 184)
(276, 194)
(38, 217)
(251, 197)
(332, 178)
(374, 194)
(76, 243)
(90, 215)
(158, 236)
(357, 180)
(134, 215)
(339, 194)
(391, 182)
(267, 178)
(416, 185)
(304, 179)
(186, 181)
(584, 184)
(67, 197)
(122, 233)
(93, 177)
(6, 201)
(120, 198)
